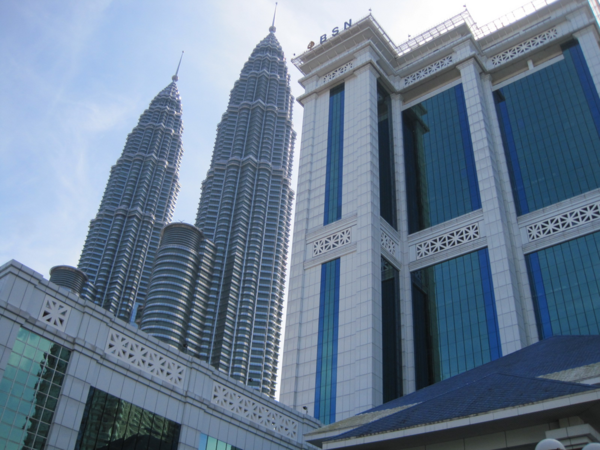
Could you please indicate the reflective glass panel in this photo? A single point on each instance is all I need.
(325, 389)
(29, 391)
(550, 124)
(109, 422)
(455, 321)
(335, 156)
(565, 286)
(441, 179)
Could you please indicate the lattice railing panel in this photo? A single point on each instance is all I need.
(144, 358)
(563, 221)
(448, 240)
(524, 47)
(388, 243)
(332, 242)
(337, 72)
(55, 313)
(254, 411)
(429, 70)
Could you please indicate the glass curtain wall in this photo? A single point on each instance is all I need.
(30, 389)
(325, 387)
(387, 170)
(390, 318)
(110, 423)
(455, 320)
(550, 125)
(441, 179)
(565, 285)
(335, 156)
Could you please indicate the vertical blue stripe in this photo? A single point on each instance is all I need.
(203, 441)
(513, 158)
(468, 147)
(327, 345)
(491, 315)
(587, 83)
(539, 296)
(335, 153)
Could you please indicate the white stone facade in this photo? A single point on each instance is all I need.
(117, 358)
(481, 61)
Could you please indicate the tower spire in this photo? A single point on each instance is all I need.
(175, 77)
(272, 27)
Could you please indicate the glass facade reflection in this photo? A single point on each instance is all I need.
(325, 390)
(390, 326)
(441, 178)
(29, 390)
(335, 156)
(550, 124)
(110, 423)
(210, 443)
(565, 285)
(387, 168)
(455, 321)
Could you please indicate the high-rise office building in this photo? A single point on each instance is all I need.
(138, 202)
(231, 315)
(448, 208)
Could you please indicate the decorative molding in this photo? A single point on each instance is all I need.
(448, 240)
(388, 243)
(337, 72)
(524, 47)
(144, 358)
(241, 405)
(428, 70)
(55, 313)
(564, 221)
(332, 242)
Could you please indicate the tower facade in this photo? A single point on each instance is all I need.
(230, 314)
(245, 209)
(447, 209)
(138, 202)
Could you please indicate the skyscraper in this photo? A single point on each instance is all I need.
(448, 205)
(231, 317)
(138, 202)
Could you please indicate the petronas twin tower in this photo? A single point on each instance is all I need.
(214, 289)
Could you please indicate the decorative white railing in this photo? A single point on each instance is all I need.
(564, 221)
(254, 411)
(144, 358)
(337, 72)
(448, 240)
(332, 242)
(428, 70)
(388, 243)
(525, 47)
(55, 313)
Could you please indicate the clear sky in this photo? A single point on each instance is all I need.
(76, 75)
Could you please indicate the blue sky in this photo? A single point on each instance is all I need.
(75, 76)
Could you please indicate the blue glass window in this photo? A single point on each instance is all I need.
(455, 321)
(441, 179)
(387, 169)
(325, 389)
(335, 153)
(30, 389)
(210, 443)
(109, 422)
(565, 285)
(550, 125)
(390, 326)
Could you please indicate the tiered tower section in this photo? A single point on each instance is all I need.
(245, 209)
(138, 202)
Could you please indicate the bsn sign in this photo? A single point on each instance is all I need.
(336, 31)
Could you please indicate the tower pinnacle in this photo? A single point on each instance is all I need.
(272, 27)
(175, 77)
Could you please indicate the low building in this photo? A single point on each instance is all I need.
(74, 376)
(548, 390)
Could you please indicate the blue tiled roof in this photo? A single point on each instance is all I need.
(507, 382)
